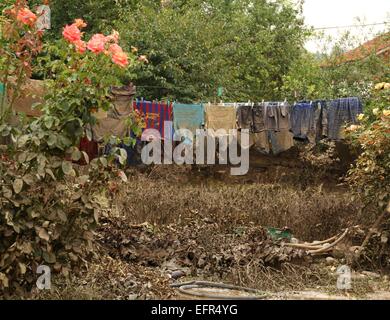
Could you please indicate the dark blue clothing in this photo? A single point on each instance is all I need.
(342, 112)
(302, 119)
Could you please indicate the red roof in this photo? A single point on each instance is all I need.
(379, 46)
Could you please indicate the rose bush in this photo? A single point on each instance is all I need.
(20, 43)
(49, 206)
(81, 72)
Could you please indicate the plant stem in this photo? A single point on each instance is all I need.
(5, 82)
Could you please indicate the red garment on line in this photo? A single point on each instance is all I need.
(91, 148)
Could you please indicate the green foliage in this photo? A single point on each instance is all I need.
(100, 14)
(195, 47)
(78, 84)
(370, 176)
(19, 45)
(305, 80)
(353, 78)
(328, 75)
(49, 206)
(379, 101)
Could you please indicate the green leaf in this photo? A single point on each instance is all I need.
(76, 155)
(67, 167)
(83, 179)
(86, 157)
(52, 140)
(22, 157)
(28, 179)
(23, 140)
(103, 161)
(49, 122)
(7, 192)
(50, 173)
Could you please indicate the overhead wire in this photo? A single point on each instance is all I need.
(352, 26)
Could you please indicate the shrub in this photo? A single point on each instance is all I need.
(20, 43)
(48, 206)
(370, 176)
(45, 219)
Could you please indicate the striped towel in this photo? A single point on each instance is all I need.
(155, 113)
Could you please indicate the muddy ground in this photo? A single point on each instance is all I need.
(177, 224)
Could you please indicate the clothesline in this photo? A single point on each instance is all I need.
(331, 114)
(273, 126)
(237, 104)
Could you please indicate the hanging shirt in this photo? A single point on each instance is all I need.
(341, 112)
(108, 127)
(258, 113)
(271, 116)
(188, 116)
(155, 113)
(219, 117)
(283, 114)
(244, 117)
(321, 118)
(281, 141)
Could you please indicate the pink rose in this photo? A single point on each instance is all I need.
(26, 16)
(120, 58)
(97, 43)
(81, 46)
(114, 48)
(71, 33)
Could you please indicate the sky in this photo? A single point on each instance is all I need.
(331, 13)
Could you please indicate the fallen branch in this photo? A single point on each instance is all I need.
(330, 246)
(185, 288)
(310, 246)
(302, 246)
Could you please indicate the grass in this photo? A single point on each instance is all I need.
(199, 213)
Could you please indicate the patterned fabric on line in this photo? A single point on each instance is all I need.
(341, 112)
(155, 113)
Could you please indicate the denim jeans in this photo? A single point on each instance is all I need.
(302, 120)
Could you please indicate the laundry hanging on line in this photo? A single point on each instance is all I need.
(342, 111)
(155, 115)
(316, 120)
(220, 117)
(188, 116)
(272, 125)
(269, 125)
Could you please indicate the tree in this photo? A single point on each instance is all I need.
(305, 79)
(194, 47)
(100, 14)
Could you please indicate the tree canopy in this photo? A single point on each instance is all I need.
(194, 47)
